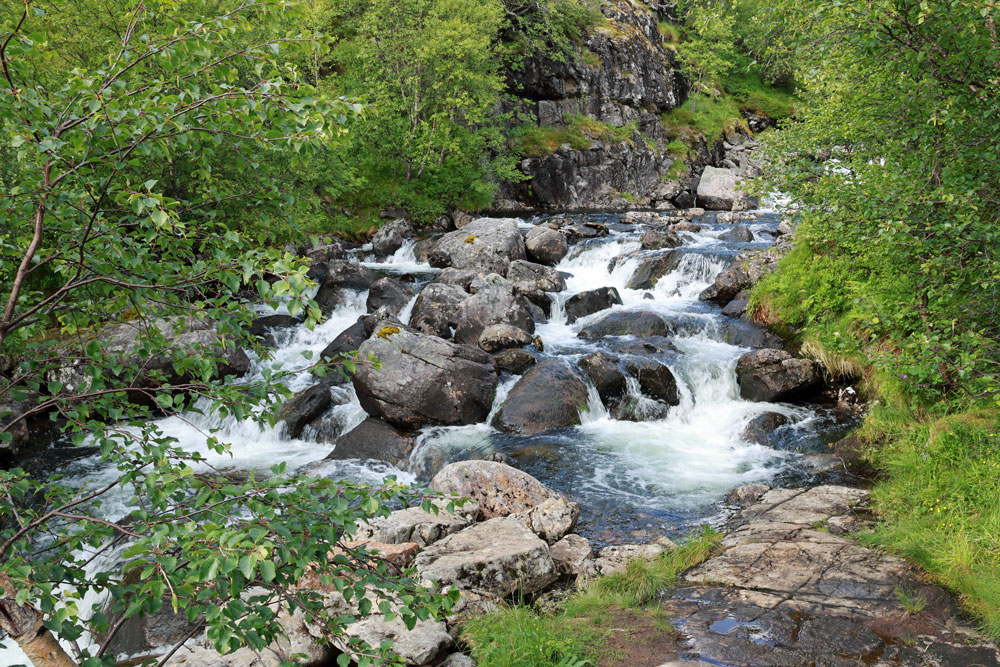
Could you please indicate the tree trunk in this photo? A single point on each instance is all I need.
(24, 625)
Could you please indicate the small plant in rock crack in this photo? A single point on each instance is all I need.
(913, 602)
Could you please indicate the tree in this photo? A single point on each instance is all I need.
(126, 300)
(708, 51)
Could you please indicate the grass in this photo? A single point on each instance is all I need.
(703, 116)
(913, 602)
(519, 635)
(671, 33)
(580, 131)
(939, 504)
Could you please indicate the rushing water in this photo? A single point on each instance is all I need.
(632, 479)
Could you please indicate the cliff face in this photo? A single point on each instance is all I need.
(623, 75)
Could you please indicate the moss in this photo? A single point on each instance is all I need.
(385, 332)
(470, 238)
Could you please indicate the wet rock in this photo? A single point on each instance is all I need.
(685, 227)
(379, 319)
(545, 245)
(735, 308)
(743, 272)
(655, 379)
(424, 380)
(514, 361)
(654, 268)
(390, 294)
(785, 228)
(760, 427)
(655, 239)
(417, 646)
(435, 311)
(551, 520)
(414, 524)
(486, 245)
(590, 302)
(344, 273)
(773, 375)
(570, 553)
(496, 558)
(530, 277)
(738, 234)
(495, 302)
(390, 237)
(717, 188)
(304, 407)
(747, 494)
(497, 337)
(496, 488)
(640, 324)
(459, 277)
(743, 333)
(262, 327)
(604, 373)
(373, 439)
(614, 559)
(586, 230)
(348, 340)
(550, 395)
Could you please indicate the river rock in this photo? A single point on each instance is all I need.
(551, 520)
(388, 293)
(655, 379)
(585, 230)
(373, 439)
(686, 226)
(348, 340)
(496, 488)
(496, 558)
(514, 361)
(743, 272)
(738, 234)
(545, 245)
(262, 327)
(390, 238)
(746, 494)
(760, 427)
(498, 337)
(615, 559)
(590, 302)
(654, 268)
(550, 395)
(414, 524)
(486, 245)
(417, 646)
(570, 554)
(641, 324)
(655, 239)
(424, 380)
(459, 277)
(530, 277)
(458, 660)
(735, 308)
(435, 311)
(344, 273)
(304, 407)
(606, 376)
(774, 375)
(495, 302)
(717, 188)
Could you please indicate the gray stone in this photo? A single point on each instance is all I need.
(390, 237)
(590, 302)
(738, 234)
(759, 428)
(717, 188)
(496, 558)
(641, 324)
(435, 311)
(655, 379)
(373, 439)
(486, 245)
(655, 239)
(570, 553)
(497, 337)
(418, 646)
(747, 494)
(545, 245)
(735, 308)
(551, 520)
(424, 380)
(515, 361)
(774, 375)
(530, 277)
(493, 303)
(416, 525)
(304, 407)
(548, 396)
(654, 268)
(606, 376)
(390, 294)
(496, 488)
(614, 559)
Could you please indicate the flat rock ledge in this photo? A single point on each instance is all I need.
(786, 589)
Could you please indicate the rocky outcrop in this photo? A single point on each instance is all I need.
(414, 524)
(550, 395)
(495, 302)
(496, 488)
(717, 188)
(774, 375)
(744, 272)
(390, 294)
(424, 380)
(435, 311)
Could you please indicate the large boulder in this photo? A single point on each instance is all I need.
(529, 277)
(514, 360)
(604, 373)
(590, 302)
(414, 524)
(552, 520)
(390, 238)
(570, 554)
(655, 380)
(486, 245)
(495, 302)
(304, 407)
(459, 277)
(717, 188)
(495, 558)
(424, 380)
(416, 646)
(344, 273)
(774, 375)
(376, 440)
(654, 268)
(550, 395)
(641, 324)
(545, 245)
(496, 488)
(759, 428)
(388, 293)
(498, 337)
(436, 309)
(743, 272)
